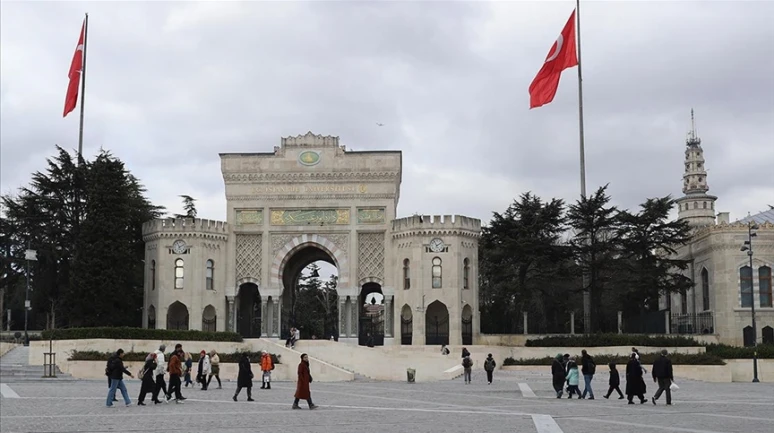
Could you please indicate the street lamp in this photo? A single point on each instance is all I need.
(747, 246)
(29, 255)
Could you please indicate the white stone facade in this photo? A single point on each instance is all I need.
(311, 199)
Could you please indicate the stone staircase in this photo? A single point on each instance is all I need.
(15, 367)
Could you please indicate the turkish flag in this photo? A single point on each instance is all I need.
(561, 57)
(76, 67)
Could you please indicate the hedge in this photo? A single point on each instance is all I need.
(765, 351)
(646, 359)
(92, 355)
(127, 333)
(606, 340)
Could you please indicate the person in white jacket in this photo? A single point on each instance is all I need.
(161, 370)
(204, 369)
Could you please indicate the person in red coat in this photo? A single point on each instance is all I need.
(302, 387)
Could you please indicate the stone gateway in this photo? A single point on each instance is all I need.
(310, 200)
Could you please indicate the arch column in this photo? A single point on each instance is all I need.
(265, 326)
(388, 327)
(231, 311)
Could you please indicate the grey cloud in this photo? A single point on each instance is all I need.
(173, 84)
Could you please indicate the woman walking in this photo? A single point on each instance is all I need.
(245, 377)
(215, 364)
(558, 375)
(302, 386)
(635, 385)
(148, 378)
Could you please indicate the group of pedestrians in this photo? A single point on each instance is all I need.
(564, 370)
(156, 368)
(467, 365)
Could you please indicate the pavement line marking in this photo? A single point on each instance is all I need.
(526, 391)
(7, 392)
(546, 424)
(649, 426)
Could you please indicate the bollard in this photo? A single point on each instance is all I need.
(412, 374)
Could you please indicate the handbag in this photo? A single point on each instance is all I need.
(673, 387)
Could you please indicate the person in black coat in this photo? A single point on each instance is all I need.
(558, 373)
(116, 371)
(148, 377)
(465, 352)
(245, 377)
(615, 382)
(663, 375)
(635, 385)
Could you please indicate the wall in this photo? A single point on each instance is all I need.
(521, 339)
(6, 347)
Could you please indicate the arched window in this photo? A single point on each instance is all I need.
(437, 273)
(151, 317)
(705, 296)
(465, 273)
(406, 274)
(153, 275)
(746, 286)
(210, 272)
(764, 286)
(179, 273)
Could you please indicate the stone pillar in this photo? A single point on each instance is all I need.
(264, 316)
(388, 317)
(572, 323)
(666, 322)
(231, 313)
(525, 322)
(353, 314)
(620, 322)
(276, 320)
(343, 329)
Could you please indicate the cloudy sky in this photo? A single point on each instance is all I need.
(170, 85)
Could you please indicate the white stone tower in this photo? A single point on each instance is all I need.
(696, 206)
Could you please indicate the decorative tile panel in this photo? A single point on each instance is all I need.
(244, 217)
(279, 241)
(248, 256)
(370, 216)
(302, 217)
(370, 257)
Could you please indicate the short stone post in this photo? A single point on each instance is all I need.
(572, 322)
(620, 322)
(525, 322)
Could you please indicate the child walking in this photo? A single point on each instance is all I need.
(615, 382)
(572, 379)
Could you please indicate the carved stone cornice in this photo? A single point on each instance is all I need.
(729, 228)
(184, 235)
(439, 232)
(365, 176)
(307, 197)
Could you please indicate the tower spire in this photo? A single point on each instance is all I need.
(693, 138)
(696, 206)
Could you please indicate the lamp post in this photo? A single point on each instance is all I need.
(29, 255)
(747, 246)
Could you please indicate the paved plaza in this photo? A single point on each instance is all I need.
(516, 401)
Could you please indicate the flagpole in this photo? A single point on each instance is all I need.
(587, 326)
(83, 85)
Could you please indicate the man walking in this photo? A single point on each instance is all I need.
(489, 366)
(467, 366)
(175, 373)
(588, 368)
(161, 368)
(662, 374)
(117, 370)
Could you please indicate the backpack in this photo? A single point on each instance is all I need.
(489, 364)
(110, 366)
(467, 363)
(592, 368)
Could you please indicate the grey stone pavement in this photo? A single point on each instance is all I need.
(450, 406)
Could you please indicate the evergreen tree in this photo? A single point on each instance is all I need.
(595, 247)
(649, 239)
(189, 207)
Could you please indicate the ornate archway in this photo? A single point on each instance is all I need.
(467, 325)
(436, 324)
(335, 254)
(209, 319)
(406, 325)
(248, 312)
(372, 315)
(177, 316)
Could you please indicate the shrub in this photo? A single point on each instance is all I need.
(127, 333)
(765, 351)
(606, 340)
(646, 359)
(92, 355)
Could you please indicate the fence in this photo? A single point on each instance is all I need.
(698, 323)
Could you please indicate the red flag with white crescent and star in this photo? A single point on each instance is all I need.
(76, 68)
(561, 57)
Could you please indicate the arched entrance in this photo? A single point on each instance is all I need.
(209, 319)
(309, 299)
(436, 324)
(177, 316)
(249, 311)
(467, 325)
(371, 302)
(406, 325)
